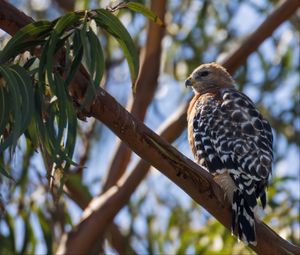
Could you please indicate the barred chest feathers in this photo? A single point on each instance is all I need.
(230, 139)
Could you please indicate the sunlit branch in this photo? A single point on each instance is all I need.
(146, 86)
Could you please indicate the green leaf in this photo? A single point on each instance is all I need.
(89, 57)
(61, 103)
(5, 173)
(26, 89)
(98, 57)
(96, 67)
(71, 134)
(78, 54)
(33, 30)
(66, 21)
(19, 107)
(41, 125)
(145, 11)
(4, 108)
(42, 68)
(16, 113)
(53, 142)
(62, 24)
(53, 127)
(113, 26)
(86, 47)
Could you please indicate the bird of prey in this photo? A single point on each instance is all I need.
(230, 138)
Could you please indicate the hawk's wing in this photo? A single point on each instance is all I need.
(233, 136)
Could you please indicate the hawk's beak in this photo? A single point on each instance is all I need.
(188, 82)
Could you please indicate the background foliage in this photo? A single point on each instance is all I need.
(160, 218)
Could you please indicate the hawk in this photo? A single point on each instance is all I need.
(230, 139)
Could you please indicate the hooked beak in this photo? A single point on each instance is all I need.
(188, 82)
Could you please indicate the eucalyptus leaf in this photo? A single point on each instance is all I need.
(113, 26)
(33, 30)
(145, 11)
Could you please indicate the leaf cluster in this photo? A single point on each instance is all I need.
(35, 97)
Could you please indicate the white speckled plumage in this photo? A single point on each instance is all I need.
(230, 139)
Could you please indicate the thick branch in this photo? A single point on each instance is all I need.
(263, 229)
(120, 244)
(204, 191)
(196, 182)
(130, 181)
(146, 87)
(11, 19)
(113, 234)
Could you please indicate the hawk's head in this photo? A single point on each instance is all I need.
(208, 76)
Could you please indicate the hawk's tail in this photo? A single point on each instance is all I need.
(243, 217)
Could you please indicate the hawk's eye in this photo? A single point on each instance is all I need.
(204, 73)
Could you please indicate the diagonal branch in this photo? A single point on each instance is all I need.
(175, 125)
(194, 180)
(82, 198)
(239, 56)
(197, 183)
(262, 230)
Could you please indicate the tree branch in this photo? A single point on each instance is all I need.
(194, 180)
(118, 241)
(9, 22)
(113, 234)
(264, 244)
(186, 174)
(146, 87)
(130, 181)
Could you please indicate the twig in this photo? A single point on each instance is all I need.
(116, 7)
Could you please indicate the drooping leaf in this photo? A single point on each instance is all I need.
(62, 24)
(61, 115)
(40, 116)
(4, 106)
(67, 21)
(5, 173)
(113, 26)
(26, 89)
(96, 69)
(145, 11)
(71, 134)
(27, 33)
(77, 57)
(16, 110)
(98, 57)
